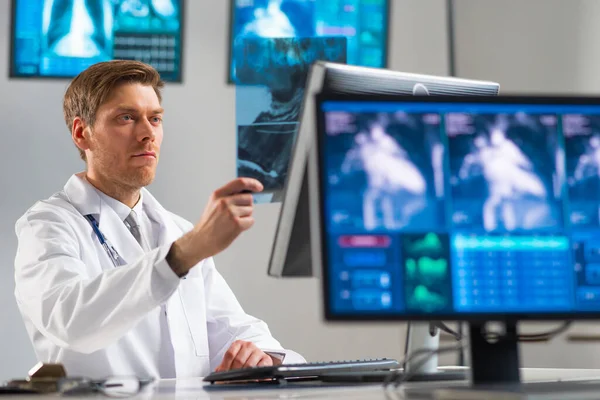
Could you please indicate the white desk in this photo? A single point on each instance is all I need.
(194, 388)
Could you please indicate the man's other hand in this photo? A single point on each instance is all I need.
(244, 354)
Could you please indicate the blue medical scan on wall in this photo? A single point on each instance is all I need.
(61, 38)
(362, 22)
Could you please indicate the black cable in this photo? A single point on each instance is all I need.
(531, 337)
(443, 327)
(407, 340)
(461, 354)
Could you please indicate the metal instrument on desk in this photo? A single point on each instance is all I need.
(42, 378)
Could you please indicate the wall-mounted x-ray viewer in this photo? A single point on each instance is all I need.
(61, 38)
(363, 23)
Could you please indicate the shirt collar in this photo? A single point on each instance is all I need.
(121, 209)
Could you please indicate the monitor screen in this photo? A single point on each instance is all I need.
(459, 208)
(61, 38)
(364, 23)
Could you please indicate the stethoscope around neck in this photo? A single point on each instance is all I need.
(114, 256)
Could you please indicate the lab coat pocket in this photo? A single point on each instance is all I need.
(192, 297)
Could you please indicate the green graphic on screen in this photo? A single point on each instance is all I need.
(427, 281)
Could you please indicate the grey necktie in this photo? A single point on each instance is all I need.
(134, 227)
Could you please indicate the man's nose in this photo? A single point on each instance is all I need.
(145, 131)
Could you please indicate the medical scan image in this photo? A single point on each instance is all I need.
(84, 28)
(391, 168)
(60, 38)
(78, 28)
(272, 75)
(506, 172)
(274, 19)
(582, 148)
(362, 22)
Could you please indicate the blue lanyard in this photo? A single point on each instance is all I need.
(116, 259)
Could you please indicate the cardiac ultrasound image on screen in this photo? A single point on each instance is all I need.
(61, 38)
(582, 150)
(504, 172)
(385, 171)
(268, 119)
(362, 23)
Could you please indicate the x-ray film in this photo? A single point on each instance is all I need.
(271, 76)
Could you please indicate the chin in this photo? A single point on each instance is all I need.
(141, 178)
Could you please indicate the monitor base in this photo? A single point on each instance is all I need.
(439, 376)
(383, 376)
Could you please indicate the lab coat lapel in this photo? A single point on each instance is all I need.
(86, 200)
(169, 230)
(118, 235)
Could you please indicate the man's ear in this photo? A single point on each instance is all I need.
(80, 133)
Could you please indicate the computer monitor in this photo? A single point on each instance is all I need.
(364, 23)
(456, 208)
(291, 253)
(61, 38)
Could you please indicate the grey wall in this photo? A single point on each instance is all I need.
(37, 157)
(535, 46)
(532, 46)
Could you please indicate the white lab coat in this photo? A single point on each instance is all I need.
(94, 318)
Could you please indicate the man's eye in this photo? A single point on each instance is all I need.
(157, 119)
(126, 118)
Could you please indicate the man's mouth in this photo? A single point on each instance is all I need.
(146, 154)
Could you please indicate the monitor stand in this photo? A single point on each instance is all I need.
(424, 335)
(494, 362)
(495, 373)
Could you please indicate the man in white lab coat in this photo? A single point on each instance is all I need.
(109, 282)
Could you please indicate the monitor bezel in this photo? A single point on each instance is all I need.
(320, 200)
(231, 37)
(12, 70)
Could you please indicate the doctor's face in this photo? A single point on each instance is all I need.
(124, 143)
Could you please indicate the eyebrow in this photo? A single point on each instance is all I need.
(122, 109)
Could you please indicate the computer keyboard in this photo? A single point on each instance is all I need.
(307, 370)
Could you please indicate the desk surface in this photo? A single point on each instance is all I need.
(195, 388)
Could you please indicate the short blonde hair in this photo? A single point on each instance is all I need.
(93, 86)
